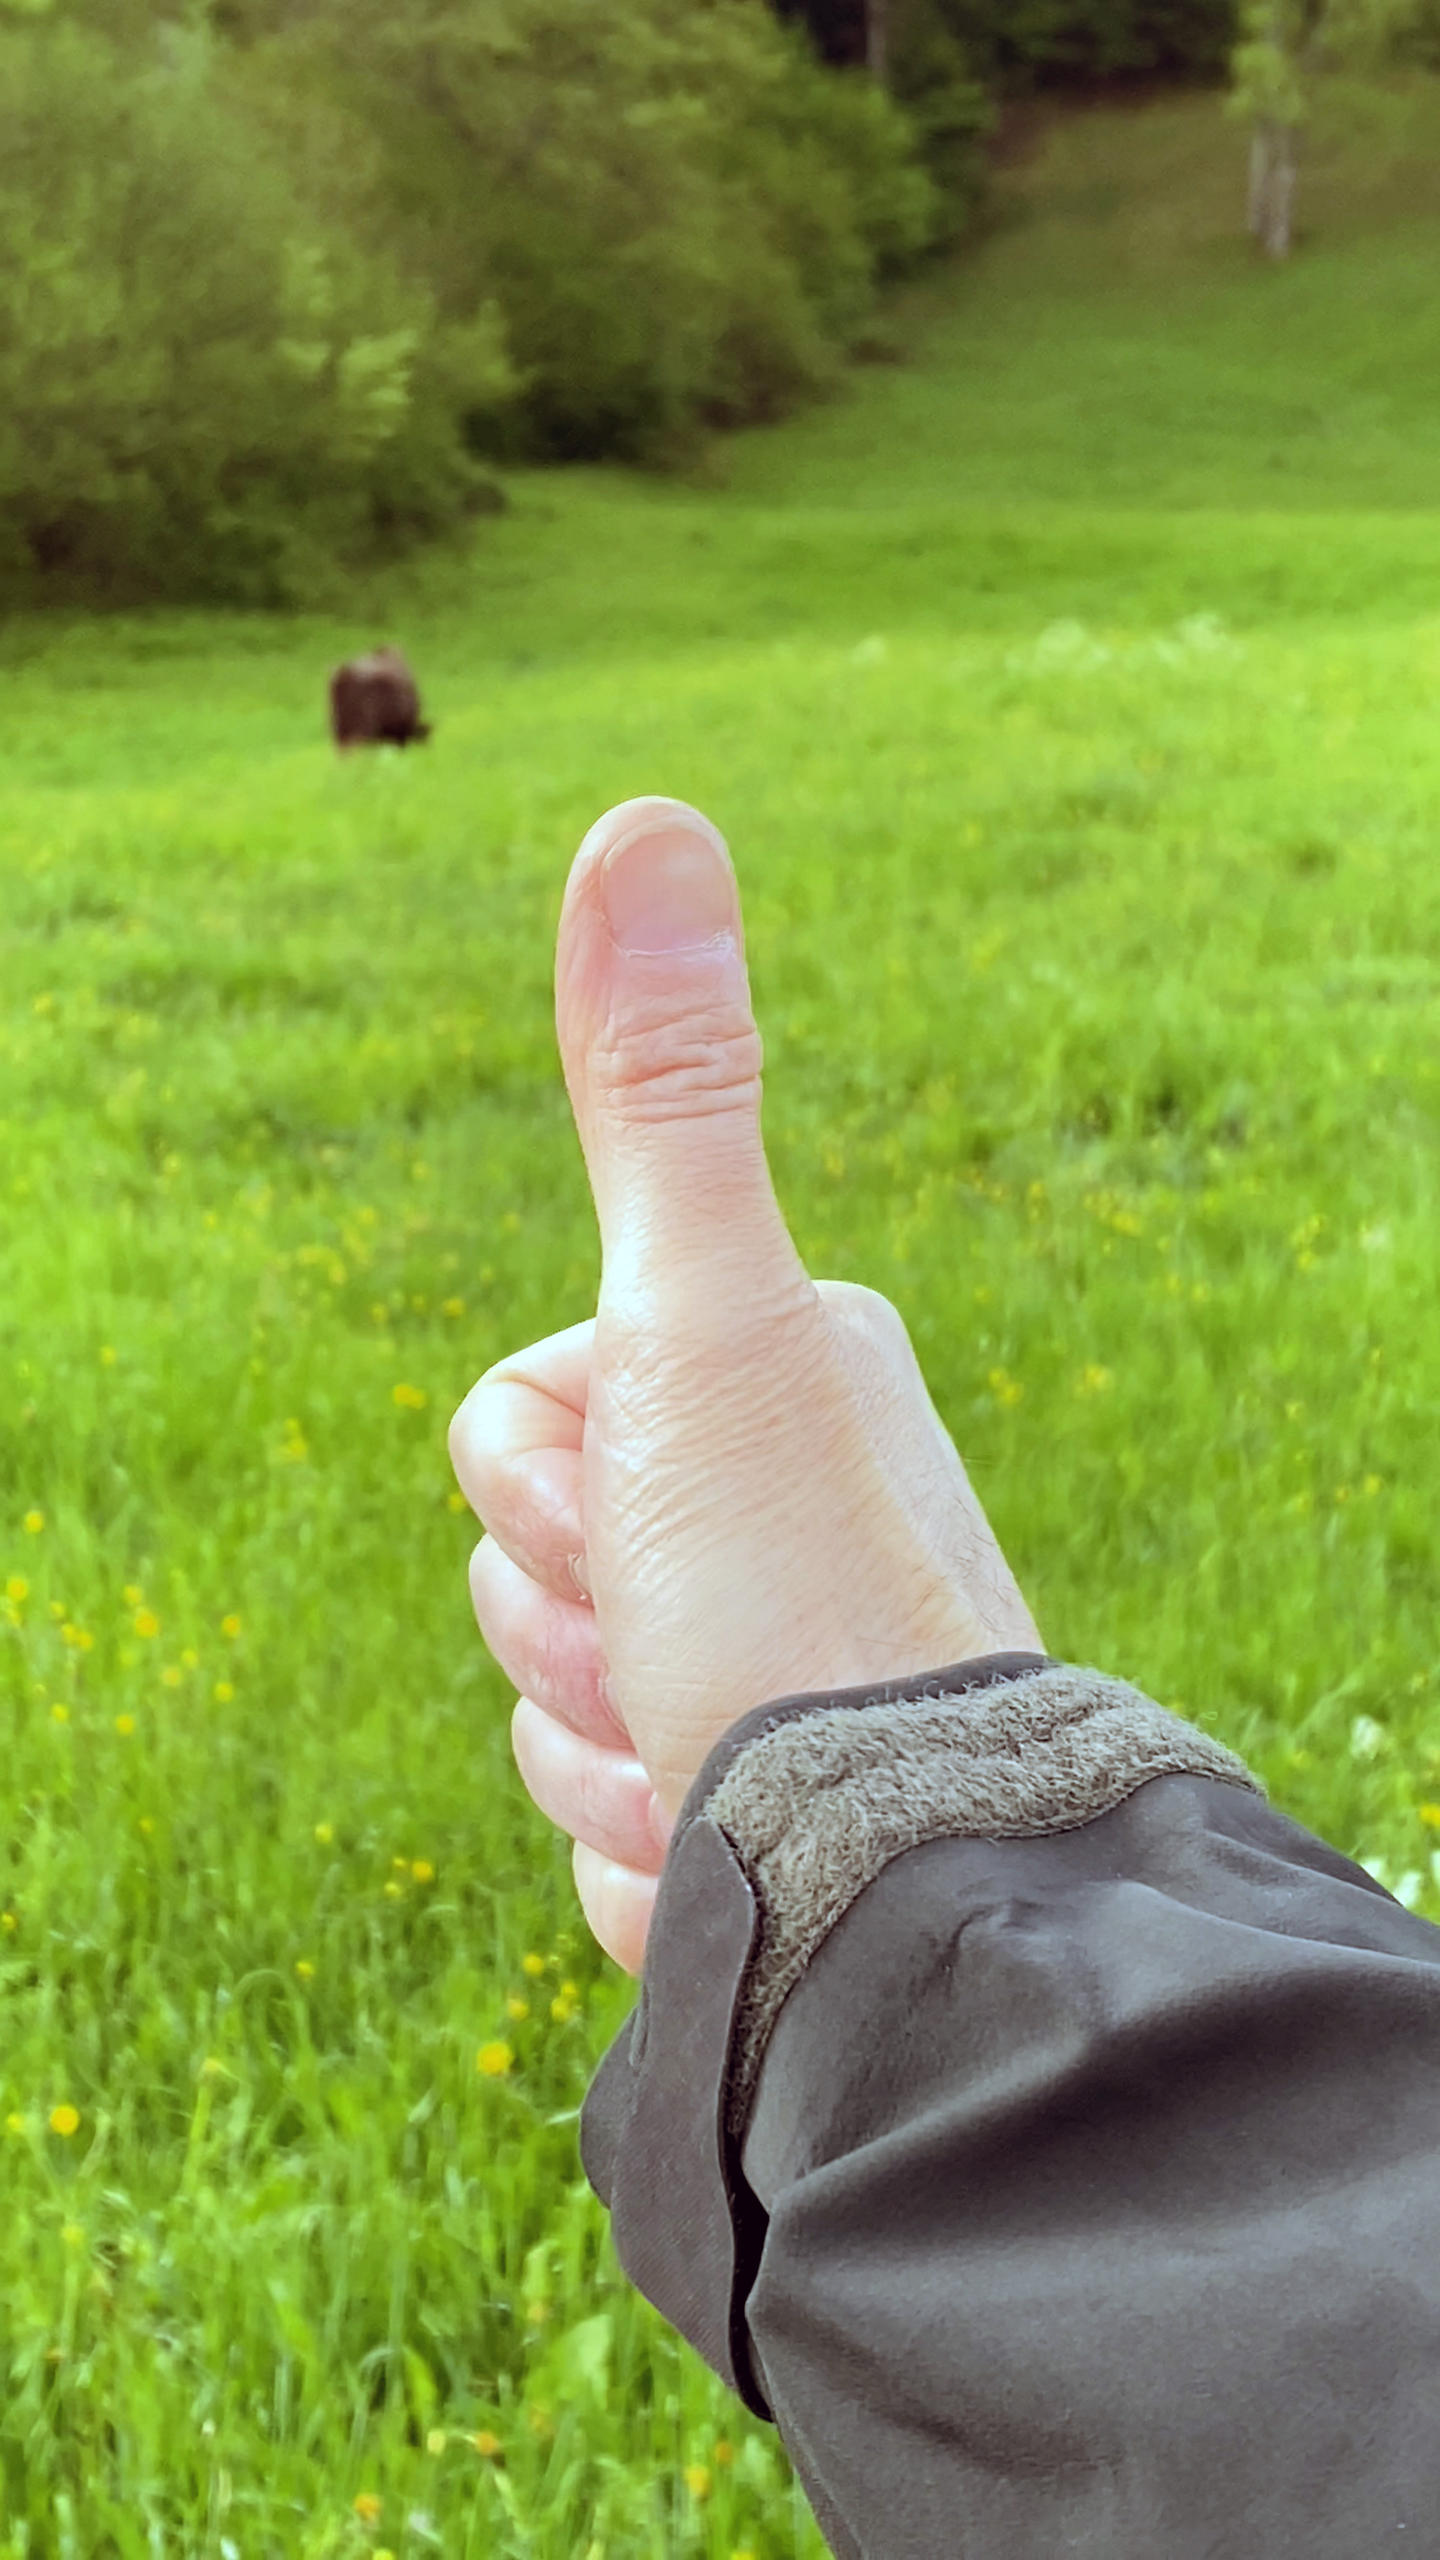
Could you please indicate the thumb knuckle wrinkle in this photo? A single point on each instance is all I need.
(678, 1071)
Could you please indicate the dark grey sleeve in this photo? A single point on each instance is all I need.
(1042, 2129)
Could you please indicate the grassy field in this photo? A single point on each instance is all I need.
(1069, 696)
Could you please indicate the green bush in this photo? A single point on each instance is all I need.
(681, 216)
(202, 388)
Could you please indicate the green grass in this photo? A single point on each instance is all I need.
(1069, 697)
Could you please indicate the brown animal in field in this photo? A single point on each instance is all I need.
(374, 701)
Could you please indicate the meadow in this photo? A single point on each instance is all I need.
(1068, 693)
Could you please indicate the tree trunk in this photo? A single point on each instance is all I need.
(1272, 185)
(877, 30)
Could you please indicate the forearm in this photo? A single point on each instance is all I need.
(1041, 2128)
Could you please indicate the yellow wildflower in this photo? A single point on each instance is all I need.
(483, 2441)
(454, 1307)
(305, 1968)
(367, 2506)
(60, 1712)
(1094, 1380)
(394, 1892)
(494, 2060)
(108, 1355)
(516, 2008)
(533, 1965)
(146, 1824)
(411, 1399)
(422, 1871)
(58, 1611)
(65, 2120)
(722, 2454)
(78, 1638)
(34, 1523)
(456, 1501)
(17, 1588)
(190, 1659)
(697, 2480)
(15, 2122)
(537, 2313)
(1429, 1815)
(562, 2011)
(223, 1692)
(125, 1726)
(132, 1595)
(324, 1833)
(230, 1625)
(146, 1623)
(8, 1923)
(1005, 1389)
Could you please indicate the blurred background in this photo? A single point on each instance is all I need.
(987, 457)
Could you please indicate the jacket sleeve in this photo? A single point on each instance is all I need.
(1042, 2129)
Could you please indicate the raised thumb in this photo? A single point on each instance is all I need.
(662, 1058)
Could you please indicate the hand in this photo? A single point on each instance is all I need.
(732, 1484)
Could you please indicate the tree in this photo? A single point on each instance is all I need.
(1283, 43)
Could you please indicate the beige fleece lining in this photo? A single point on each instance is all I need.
(817, 1807)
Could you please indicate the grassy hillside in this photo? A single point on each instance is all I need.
(1068, 696)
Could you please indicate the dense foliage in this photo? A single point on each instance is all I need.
(275, 286)
(1014, 44)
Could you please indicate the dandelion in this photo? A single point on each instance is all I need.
(230, 1626)
(34, 1523)
(17, 1588)
(422, 1871)
(436, 2440)
(483, 2442)
(223, 1692)
(125, 1726)
(517, 2008)
(410, 1399)
(324, 1833)
(305, 1968)
(697, 2480)
(562, 2011)
(533, 1965)
(60, 1712)
(1429, 1815)
(65, 2120)
(494, 2060)
(146, 1623)
(367, 2506)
